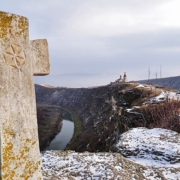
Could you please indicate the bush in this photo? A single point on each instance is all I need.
(165, 115)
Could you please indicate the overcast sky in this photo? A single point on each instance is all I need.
(92, 42)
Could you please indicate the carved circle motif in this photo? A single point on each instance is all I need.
(14, 55)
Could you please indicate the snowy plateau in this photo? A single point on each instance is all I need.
(152, 154)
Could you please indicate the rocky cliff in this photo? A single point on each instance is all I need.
(102, 110)
(49, 123)
(106, 113)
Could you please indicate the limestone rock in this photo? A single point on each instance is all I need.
(20, 156)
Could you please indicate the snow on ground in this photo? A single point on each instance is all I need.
(113, 102)
(69, 165)
(160, 145)
(143, 86)
(152, 154)
(165, 94)
(159, 148)
(140, 86)
(129, 110)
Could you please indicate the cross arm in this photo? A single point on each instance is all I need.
(40, 59)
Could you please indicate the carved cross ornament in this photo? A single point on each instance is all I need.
(20, 59)
(14, 54)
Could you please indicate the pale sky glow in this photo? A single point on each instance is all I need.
(92, 42)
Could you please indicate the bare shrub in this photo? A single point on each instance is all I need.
(164, 115)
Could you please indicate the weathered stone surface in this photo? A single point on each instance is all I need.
(69, 165)
(41, 63)
(20, 157)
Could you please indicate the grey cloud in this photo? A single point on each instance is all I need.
(80, 57)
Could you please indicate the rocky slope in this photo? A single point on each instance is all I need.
(49, 123)
(151, 154)
(152, 146)
(102, 111)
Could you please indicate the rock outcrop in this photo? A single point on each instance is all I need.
(69, 165)
(150, 154)
(157, 145)
(101, 109)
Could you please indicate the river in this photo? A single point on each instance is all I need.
(63, 137)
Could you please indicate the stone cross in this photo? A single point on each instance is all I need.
(20, 59)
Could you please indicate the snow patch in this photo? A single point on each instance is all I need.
(155, 147)
(113, 102)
